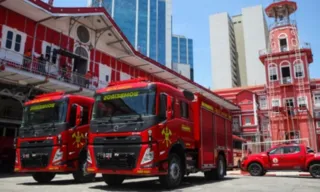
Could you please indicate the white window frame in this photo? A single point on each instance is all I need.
(263, 103)
(305, 99)
(295, 66)
(280, 37)
(316, 99)
(272, 103)
(236, 123)
(52, 68)
(245, 120)
(270, 71)
(289, 98)
(283, 66)
(5, 30)
(52, 46)
(318, 124)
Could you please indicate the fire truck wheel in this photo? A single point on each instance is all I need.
(315, 170)
(216, 174)
(175, 172)
(113, 180)
(81, 174)
(43, 177)
(255, 169)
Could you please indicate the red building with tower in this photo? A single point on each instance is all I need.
(76, 50)
(287, 107)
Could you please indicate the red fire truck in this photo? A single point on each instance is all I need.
(51, 138)
(141, 128)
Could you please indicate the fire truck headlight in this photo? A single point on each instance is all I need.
(58, 156)
(148, 156)
(89, 160)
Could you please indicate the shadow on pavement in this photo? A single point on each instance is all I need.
(154, 185)
(60, 182)
(9, 175)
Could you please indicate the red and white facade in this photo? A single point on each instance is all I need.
(287, 107)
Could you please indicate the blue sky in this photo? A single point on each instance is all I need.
(191, 18)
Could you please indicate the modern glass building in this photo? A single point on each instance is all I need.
(182, 55)
(146, 23)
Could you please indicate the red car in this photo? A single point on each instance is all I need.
(285, 157)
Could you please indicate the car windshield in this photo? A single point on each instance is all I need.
(124, 104)
(48, 112)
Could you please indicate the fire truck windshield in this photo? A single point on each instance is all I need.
(122, 104)
(35, 116)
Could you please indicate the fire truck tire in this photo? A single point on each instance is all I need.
(175, 172)
(113, 180)
(81, 175)
(218, 173)
(43, 177)
(315, 171)
(255, 169)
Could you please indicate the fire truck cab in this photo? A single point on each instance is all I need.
(142, 128)
(51, 138)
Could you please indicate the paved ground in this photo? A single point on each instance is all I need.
(64, 183)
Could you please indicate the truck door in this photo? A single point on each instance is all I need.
(276, 159)
(293, 158)
(76, 134)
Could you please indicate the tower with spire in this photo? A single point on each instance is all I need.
(286, 62)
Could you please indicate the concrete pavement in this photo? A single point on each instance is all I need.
(233, 183)
(275, 173)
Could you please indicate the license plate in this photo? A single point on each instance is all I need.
(108, 155)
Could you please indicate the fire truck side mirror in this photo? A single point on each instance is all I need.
(188, 94)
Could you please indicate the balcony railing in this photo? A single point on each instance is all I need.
(269, 51)
(53, 71)
(283, 22)
(286, 80)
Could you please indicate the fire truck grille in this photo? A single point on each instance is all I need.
(125, 161)
(117, 157)
(31, 158)
(41, 161)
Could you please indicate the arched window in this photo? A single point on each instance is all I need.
(273, 72)
(285, 72)
(283, 42)
(298, 69)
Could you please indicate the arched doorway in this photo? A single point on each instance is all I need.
(81, 63)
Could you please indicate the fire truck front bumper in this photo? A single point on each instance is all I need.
(139, 159)
(45, 159)
(133, 172)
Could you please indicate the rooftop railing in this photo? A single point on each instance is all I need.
(283, 22)
(269, 51)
